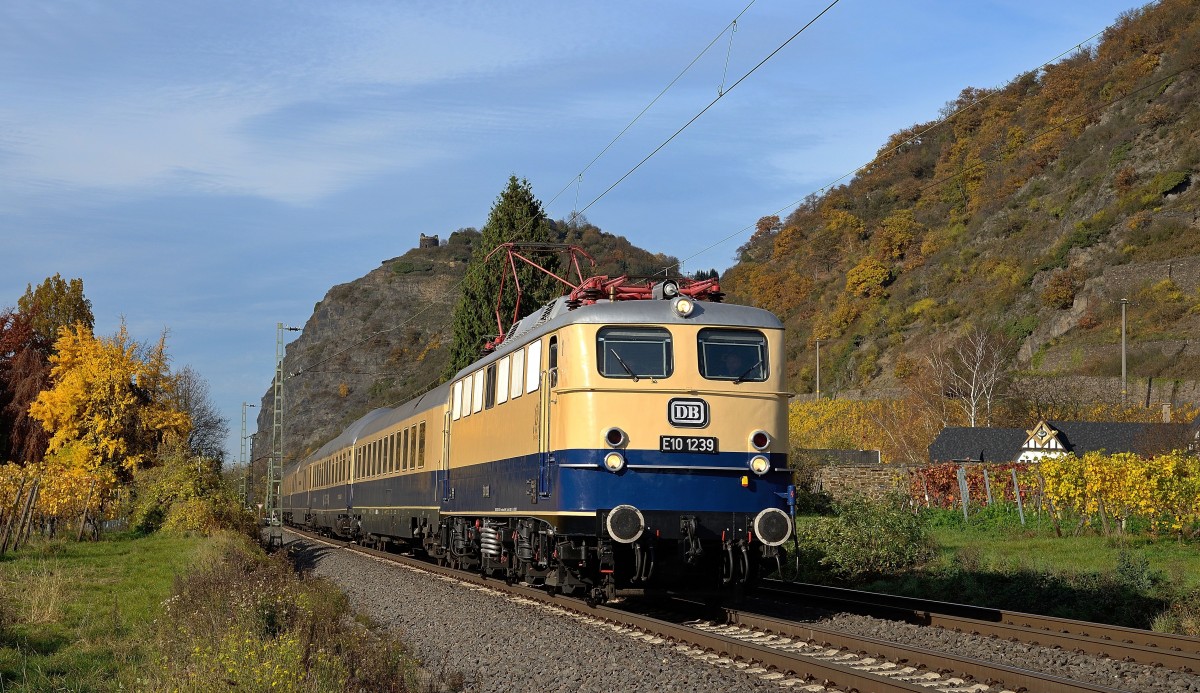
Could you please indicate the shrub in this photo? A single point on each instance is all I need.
(249, 622)
(867, 537)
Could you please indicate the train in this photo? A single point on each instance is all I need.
(603, 445)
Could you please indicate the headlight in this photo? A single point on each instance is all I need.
(614, 462)
(683, 306)
(760, 440)
(615, 437)
(758, 464)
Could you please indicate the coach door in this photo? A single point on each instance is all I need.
(549, 382)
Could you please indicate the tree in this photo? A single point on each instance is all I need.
(27, 337)
(517, 216)
(111, 401)
(971, 371)
(209, 428)
(54, 304)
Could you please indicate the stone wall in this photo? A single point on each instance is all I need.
(871, 480)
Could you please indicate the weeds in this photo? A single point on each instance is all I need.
(249, 621)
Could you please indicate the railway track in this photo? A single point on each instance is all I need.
(1178, 652)
(796, 655)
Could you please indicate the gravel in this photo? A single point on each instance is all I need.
(496, 643)
(1126, 676)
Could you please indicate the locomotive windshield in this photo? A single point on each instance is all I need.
(634, 352)
(737, 355)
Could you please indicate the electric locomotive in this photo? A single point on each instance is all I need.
(603, 445)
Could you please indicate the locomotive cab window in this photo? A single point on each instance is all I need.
(737, 355)
(634, 352)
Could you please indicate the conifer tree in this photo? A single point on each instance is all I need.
(517, 216)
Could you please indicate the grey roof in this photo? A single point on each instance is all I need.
(965, 444)
(1112, 437)
(961, 444)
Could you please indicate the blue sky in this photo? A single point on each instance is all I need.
(213, 168)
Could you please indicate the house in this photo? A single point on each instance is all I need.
(959, 444)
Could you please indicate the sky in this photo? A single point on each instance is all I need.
(214, 168)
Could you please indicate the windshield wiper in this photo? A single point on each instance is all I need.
(738, 380)
(624, 365)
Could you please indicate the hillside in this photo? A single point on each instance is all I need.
(1030, 212)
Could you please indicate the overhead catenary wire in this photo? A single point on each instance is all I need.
(308, 368)
(704, 110)
(936, 124)
(579, 176)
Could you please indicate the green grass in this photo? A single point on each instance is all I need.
(79, 616)
(1178, 564)
(1130, 579)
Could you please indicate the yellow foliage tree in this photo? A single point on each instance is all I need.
(110, 401)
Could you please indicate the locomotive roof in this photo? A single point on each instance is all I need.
(555, 315)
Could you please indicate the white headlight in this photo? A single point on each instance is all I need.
(684, 306)
(760, 465)
(614, 462)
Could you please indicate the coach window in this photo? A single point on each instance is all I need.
(412, 450)
(502, 381)
(489, 387)
(533, 367)
(404, 450)
(518, 373)
(634, 352)
(737, 355)
(477, 392)
(421, 445)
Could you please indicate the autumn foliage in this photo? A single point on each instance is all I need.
(87, 418)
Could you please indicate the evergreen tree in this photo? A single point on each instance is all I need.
(517, 217)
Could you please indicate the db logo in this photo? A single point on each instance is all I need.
(687, 413)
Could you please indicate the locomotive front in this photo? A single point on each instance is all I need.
(668, 427)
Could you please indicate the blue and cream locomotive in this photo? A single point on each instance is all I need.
(603, 445)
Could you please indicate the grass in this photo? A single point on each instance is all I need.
(1177, 563)
(1132, 579)
(78, 616)
(164, 612)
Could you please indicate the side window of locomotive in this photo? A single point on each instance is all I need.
(533, 367)
(552, 359)
(634, 352)
(466, 407)
(518, 373)
(456, 401)
(739, 355)
(502, 377)
(477, 392)
(489, 387)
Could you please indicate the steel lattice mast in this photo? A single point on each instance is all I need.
(275, 463)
